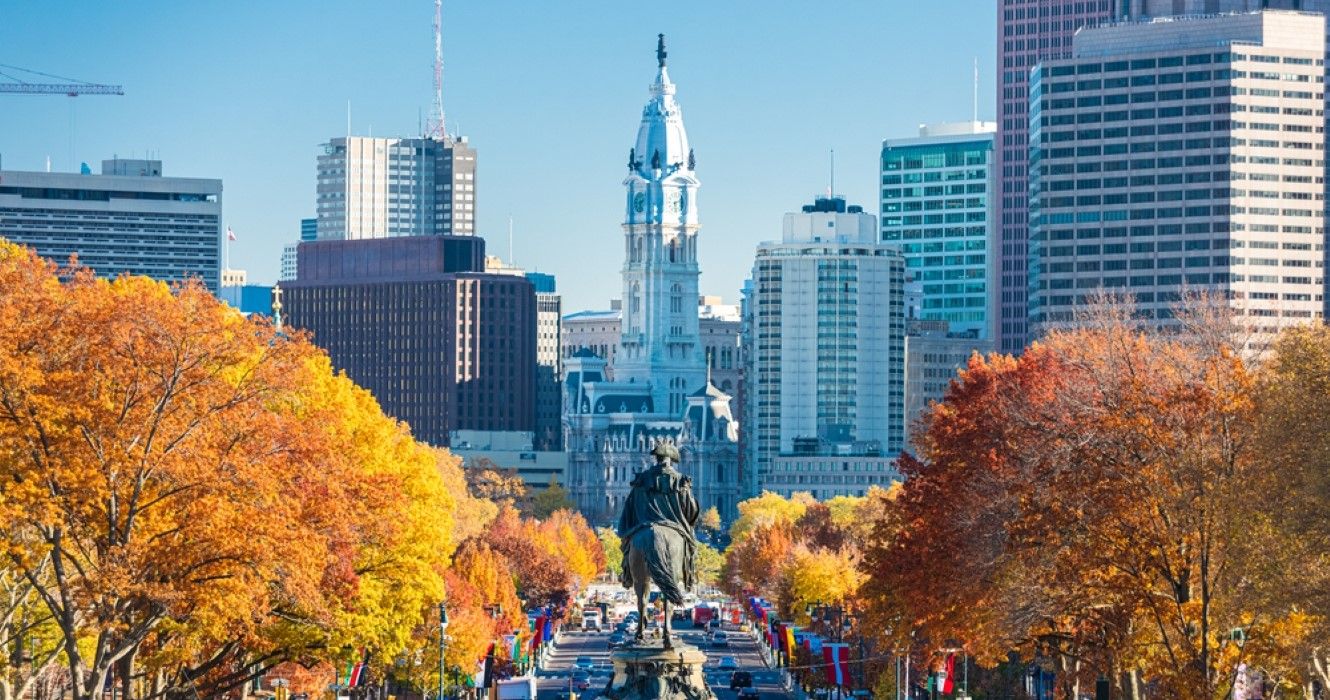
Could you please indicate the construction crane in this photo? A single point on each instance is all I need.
(70, 87)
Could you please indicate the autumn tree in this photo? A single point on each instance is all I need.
(768, 509)
(610, 544)
(485, 479)
(1090, 503)
(547, 501)
(195, 496)
(709, 521)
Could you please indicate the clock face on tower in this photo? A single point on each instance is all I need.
(639, 202)
(672, 202)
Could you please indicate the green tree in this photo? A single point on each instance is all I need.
(549, 499)
(609, 541)
(709, 563)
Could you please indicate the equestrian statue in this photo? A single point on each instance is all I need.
(656, 533)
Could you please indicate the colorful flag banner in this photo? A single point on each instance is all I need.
(948, 676)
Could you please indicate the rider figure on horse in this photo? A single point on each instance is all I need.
(661, 498)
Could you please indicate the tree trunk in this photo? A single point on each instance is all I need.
(126, 672)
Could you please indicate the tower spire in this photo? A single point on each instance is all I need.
(660, 50)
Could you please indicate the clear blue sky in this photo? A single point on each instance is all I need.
(550, 93)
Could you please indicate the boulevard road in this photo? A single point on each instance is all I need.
(553, 683)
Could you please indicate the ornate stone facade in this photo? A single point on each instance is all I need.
(660, 387)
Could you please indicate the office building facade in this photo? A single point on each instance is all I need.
(933, 355)
(387, 187)
(1182, 155)
(549, 362)
(826, 325)
(130, 219)
(937, 191)
(595, 331)
(441, 344)
(1028, 31)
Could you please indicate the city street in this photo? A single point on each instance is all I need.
(554, 680)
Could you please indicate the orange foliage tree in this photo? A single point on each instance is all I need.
(192, 495)
(1089, 503)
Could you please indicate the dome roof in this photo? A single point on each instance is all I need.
(662, 144)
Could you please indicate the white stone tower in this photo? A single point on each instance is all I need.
(660, 344)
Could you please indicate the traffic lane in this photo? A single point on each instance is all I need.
(553, 681)
(747, 654)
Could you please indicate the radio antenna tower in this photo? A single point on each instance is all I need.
(436, 123)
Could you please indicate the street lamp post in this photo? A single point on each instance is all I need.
(443, 627)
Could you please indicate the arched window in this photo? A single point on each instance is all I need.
(676, 299)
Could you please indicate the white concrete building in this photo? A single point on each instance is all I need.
(825, 349)
(383, 187)
(660, 388)
(128, 219)
(289, 262)
(1182, 154)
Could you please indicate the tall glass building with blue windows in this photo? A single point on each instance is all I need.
(937, 194)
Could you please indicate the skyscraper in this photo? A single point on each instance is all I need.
(937, 191)
(441, 344)
(1029, 31)
(1180, 155)
(825, 392)
(660, 389)
(386, 187)
(130, 219)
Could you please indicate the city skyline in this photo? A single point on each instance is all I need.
(248, 96)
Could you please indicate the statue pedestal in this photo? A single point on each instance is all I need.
(647, 671)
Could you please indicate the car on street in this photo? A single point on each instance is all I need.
(617, 639)
(741, 679)
(727, 663)
(583, 663)
(581, 680)
(720, 641)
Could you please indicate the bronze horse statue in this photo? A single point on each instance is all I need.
(656, 533)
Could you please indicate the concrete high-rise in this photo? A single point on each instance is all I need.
(441, 344)
(388, 187)
(1028, 31)
(130, 219)
(937, 192)
(826, 330)
(1181, 155)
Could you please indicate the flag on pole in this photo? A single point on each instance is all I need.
(230, 235)
(837, 660)
(949, 674)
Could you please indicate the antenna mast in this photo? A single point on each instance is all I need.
(976, 89)
(436, 125)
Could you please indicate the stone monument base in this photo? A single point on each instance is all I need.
(648, 671)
